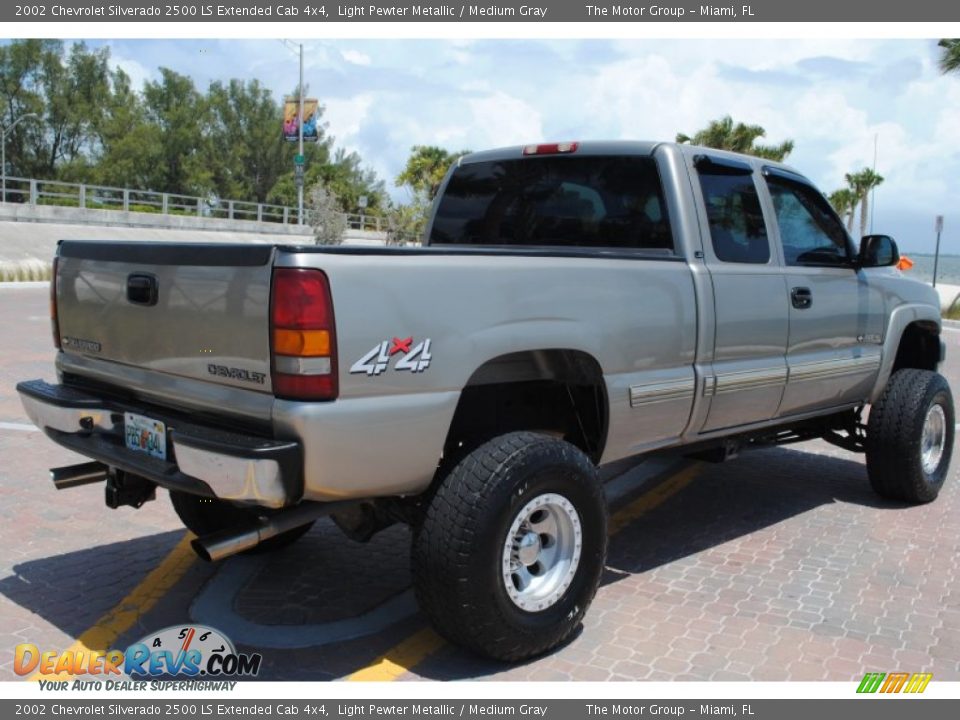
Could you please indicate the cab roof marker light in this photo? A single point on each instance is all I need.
(551, 148)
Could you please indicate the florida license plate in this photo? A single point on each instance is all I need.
(145, 435)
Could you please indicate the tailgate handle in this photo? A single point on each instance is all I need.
(142, 289)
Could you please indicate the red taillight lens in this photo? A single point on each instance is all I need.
(54, 319)
(303, 336)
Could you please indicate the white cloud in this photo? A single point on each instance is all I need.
(137, 73)
(831, 96)
(357, 58)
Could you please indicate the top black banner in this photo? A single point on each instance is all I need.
(320, 11)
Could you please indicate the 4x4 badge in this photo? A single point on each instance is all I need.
(415, 358)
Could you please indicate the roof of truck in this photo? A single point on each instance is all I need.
(616, 147)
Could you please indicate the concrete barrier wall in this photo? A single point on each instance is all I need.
(17, 212)
(31, 233)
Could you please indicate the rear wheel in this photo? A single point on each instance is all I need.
(511, 548)
(203, 516)
(910, 436)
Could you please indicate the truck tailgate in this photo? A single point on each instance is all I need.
(198, 311)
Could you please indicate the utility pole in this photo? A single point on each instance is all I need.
(300, 150)
(873, 190)
(938, 226)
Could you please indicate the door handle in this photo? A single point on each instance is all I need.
(801, 298)
(142, 289)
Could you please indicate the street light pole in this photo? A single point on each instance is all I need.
(3, 150)
(300, 126)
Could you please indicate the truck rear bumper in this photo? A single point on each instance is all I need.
(200, 459)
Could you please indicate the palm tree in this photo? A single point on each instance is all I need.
(844, 201)
(723, 134)
(950, 56)
(861, 184)
(426, 168)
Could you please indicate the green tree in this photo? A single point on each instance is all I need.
(425, 169)
(74, 91)
(179, 115)
(950, 55)
(24, 69)
(844, 201)
(423, 174)
(244, 145)
(724, 134)
(129, 146)
(861, 185)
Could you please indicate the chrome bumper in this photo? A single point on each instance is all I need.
(201, 459)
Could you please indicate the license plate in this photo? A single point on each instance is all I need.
(145, 435)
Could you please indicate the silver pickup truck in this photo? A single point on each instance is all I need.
(573, 304)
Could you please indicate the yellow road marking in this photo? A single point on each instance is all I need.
(416, 648)
(138, 601)
(648, 501)
(398, 659)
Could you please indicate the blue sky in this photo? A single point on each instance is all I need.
(832, 97)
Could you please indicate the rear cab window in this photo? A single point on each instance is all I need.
(588, 201)
(738, 232)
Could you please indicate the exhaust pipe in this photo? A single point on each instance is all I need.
(76, 475)
(224, 543)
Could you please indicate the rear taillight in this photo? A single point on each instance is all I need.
(302, 336)
(54, 320)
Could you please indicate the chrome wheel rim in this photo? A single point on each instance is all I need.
(541, 552)
(934, 439)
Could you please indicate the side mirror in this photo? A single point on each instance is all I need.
(877, 251)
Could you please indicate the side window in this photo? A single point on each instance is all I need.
(809, 229)
(737, 230)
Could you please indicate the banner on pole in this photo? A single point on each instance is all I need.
(311, 119)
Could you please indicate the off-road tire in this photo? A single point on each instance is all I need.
(458, 551)
(895, 431)
(203, 516)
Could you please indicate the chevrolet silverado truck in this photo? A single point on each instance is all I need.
(572, 305)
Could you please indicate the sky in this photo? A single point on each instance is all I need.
(841, 101)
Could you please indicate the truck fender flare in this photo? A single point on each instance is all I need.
(900, 318)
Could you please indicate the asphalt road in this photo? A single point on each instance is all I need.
(780, 565)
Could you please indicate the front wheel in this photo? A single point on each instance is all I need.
(511, 549)
(910, 436)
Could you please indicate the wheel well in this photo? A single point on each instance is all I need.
(919, 347)
(559, 392)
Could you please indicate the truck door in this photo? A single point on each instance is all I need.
(746, 379)
(836, 317)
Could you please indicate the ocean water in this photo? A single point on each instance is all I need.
(948, 269)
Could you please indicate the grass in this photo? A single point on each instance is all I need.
(25, 271)
(952, 312)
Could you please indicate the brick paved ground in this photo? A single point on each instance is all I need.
(780, 565)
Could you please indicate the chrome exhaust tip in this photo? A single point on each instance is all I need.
(225, 543)
(75, 475)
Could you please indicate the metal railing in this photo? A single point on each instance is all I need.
(99, 197)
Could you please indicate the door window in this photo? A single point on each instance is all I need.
(810, 231)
